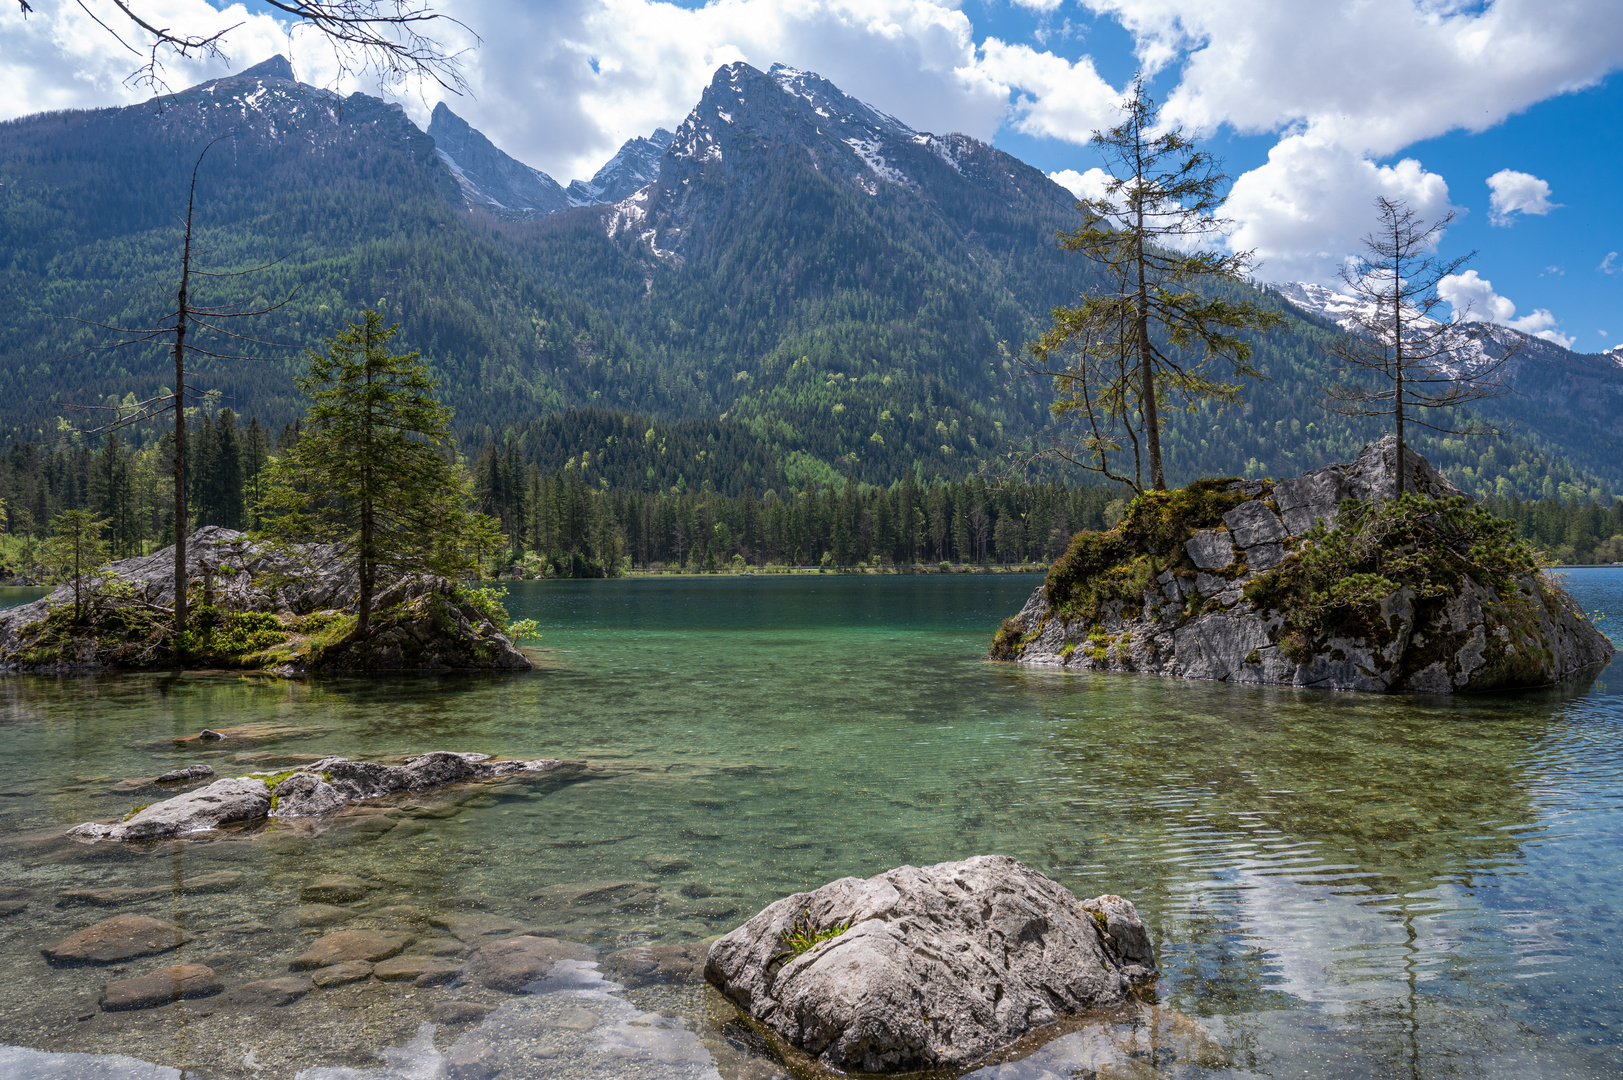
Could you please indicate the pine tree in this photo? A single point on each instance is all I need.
(1422, 363)
(371, 471)
(75, 548)
(1153, 331)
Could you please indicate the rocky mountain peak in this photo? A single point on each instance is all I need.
(277, 67)
(489, 178)
(633, 167)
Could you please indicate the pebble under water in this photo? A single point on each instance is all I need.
(1337, 885)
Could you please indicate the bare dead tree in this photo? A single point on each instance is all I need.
(1421, 363)
(187, 317)
(391, 39)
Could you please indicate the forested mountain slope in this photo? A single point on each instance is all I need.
(815, 287)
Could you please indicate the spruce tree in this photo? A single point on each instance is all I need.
(1152, 332)
(371, 471)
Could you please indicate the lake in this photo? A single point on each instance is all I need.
(1337, 885)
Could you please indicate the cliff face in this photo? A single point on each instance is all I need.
(1322, 581)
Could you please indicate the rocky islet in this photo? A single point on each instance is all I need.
(1204, 608)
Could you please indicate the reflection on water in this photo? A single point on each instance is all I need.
(1338, 885)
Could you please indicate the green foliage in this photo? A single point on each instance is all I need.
(1117, 565)
(370, 472)
(75, 548)
(803, 935)
(1337, 582)
(1149, 332)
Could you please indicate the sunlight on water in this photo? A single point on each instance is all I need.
(1338, 885)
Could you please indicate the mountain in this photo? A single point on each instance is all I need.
(1569, 404)
(489, 178)
(634, 166)
(816, 287)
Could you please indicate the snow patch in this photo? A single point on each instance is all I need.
(868, 151)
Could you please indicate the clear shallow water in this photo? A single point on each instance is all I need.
(1338, 885)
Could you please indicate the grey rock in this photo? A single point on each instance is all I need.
(305, 795)
(268, 993)
(1253, 523)
(12, 907)
(246, 798)
(224, 802)
(1264, 556)
(180, 776)
(512, 964)
(180, 982)
(1211, 549)
(123, 937)
(1474, 638)
(940, 966)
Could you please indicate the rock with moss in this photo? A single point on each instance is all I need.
(1322, 581)
(930, 967)
(321, 787)
(253, 606)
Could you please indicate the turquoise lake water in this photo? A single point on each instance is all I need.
(1337, 885)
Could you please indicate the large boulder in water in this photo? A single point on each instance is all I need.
(224, 802)
(1320, 581)
(937, 966)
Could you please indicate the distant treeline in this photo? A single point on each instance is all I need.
(669, 495)
(559, 524)
(1575, 533)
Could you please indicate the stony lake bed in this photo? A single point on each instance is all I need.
(1336, 884)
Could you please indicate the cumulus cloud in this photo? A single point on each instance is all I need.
(1511, 192)
(1473, 299)
(1311, 204)
(1374, 76)
(1084, 185)
(1052, 96)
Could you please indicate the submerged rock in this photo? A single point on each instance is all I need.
(181, 982)
(346, 946)
(318, 788)
(935, 966)
(512, 964)
(123, 937)
(1210, 583)
(263, 993)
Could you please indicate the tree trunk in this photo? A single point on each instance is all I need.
(180, 427)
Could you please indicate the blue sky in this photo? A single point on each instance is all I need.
(1573, 140)
(1315, 107)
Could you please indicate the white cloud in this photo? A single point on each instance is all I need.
(1609, 265)
(1374, 76)
(1054, 97)
(1088, 185)
(1038, 5)
(1473, 299)
(537, 96)
(1311, 205)
(1512, 192)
